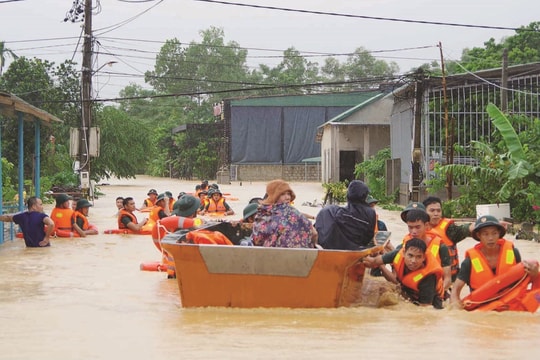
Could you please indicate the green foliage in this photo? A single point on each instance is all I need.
(125, 145)
(46, 86)
(373, 172)
(192, 71)
(195, 153)
(523, 48)
(9, 189)
(360, 65)
(3, 53)
(507, 171)
(336, 192)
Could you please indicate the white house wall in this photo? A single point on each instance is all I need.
(327, 154)
(366, 131)
(401, 138)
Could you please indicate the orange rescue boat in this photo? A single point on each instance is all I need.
(252, 276)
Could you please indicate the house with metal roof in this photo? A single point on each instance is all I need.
(354, 135)
(276, 136)
(431, 118)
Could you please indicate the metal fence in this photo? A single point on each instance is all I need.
(467, 114)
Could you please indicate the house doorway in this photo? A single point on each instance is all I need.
(347, 161)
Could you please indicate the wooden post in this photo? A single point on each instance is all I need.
(417, 143)
(504, 81)
(448, 130)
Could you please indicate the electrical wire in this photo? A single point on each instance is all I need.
(492, 83)
(425, 22)
(110, 28)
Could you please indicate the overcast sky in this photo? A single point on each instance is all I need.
(37, 22)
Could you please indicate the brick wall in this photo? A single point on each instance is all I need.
(297, 173)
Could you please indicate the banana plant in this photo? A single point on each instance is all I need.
(500, 176)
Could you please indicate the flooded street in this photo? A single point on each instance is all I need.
(86, 298)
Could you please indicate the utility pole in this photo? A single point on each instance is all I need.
(417, 139)
(86, 93)
(504, 81)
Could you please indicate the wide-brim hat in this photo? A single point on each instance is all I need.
(485, 221)
(250, 210)
(412, 206)
(186, 206)
(83, 203)
(62, 198)
(152, 191)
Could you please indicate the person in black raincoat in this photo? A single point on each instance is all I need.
(351, 227)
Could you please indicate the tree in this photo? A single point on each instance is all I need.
(293, 70)
(3, 53)
(47, 87)
(198, 69)
(362, 69)
(523, 48)
(124, 145)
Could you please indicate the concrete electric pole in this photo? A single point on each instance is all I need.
(86, 93)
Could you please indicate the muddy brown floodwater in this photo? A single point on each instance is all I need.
(85, 298)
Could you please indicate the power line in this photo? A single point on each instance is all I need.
(376, 80)
(363, 16)
(110, 28)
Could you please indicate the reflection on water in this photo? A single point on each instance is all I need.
(87, 299)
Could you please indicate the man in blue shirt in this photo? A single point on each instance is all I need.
(32, 223)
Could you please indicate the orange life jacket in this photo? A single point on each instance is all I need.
(216, 207)
(62, 218)
(171, 224)
(207, 237)
(80, 215)
(148, 202)
(154, 213)
(480, 269)
(440, 230)
(413, 278)
(507, 291)
(433, 246)
(121, 214)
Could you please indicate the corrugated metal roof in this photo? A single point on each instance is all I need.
(346, 114)
(334, 99)
(9, 104)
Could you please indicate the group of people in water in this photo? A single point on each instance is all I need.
(425, 264)
(66, 220)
